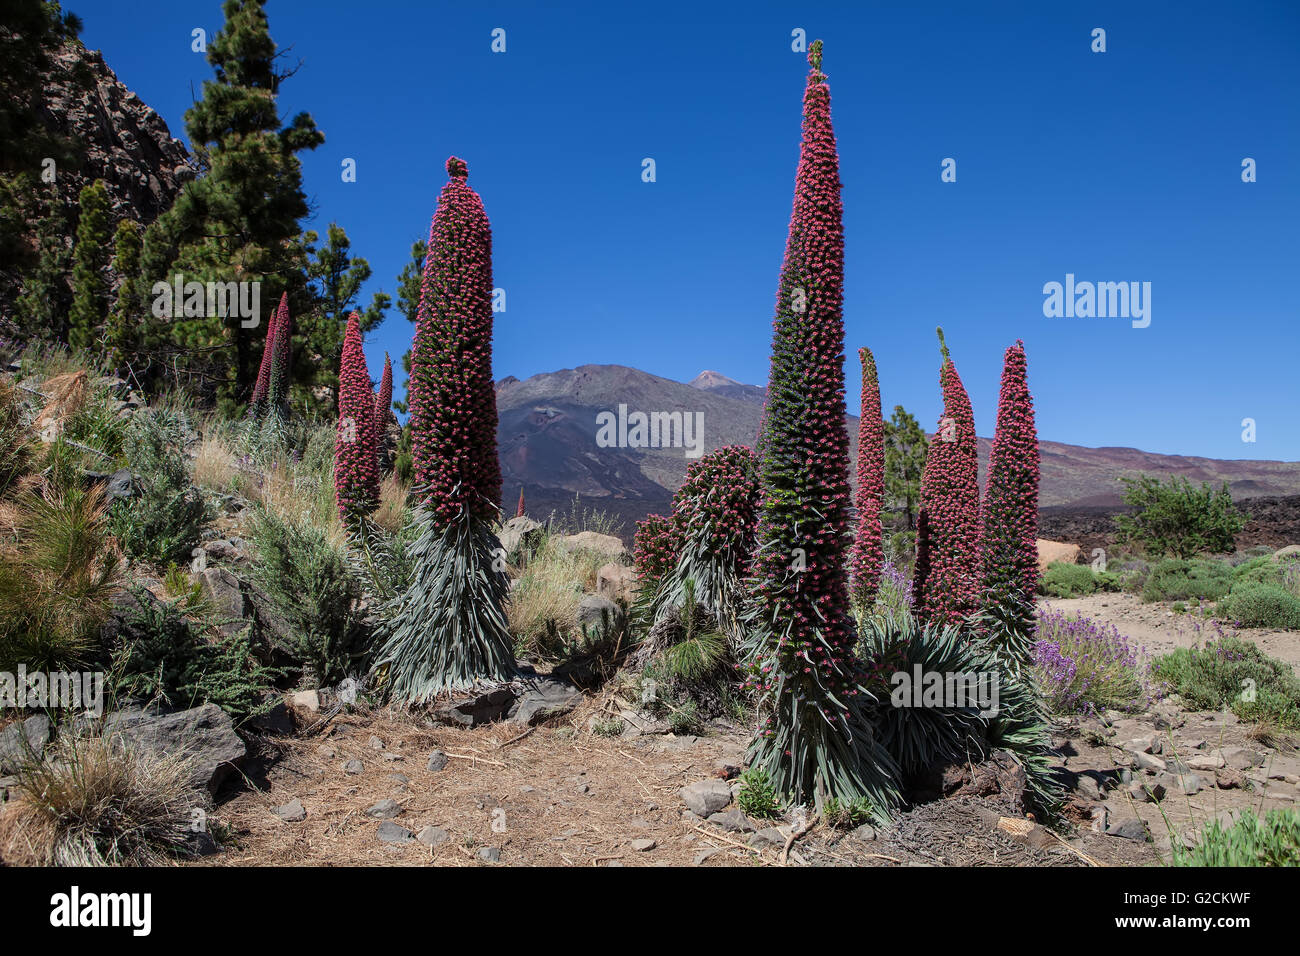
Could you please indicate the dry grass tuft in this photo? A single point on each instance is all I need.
(65, 395)
(216, 465)
(95, 803)
(544, 603)
(392, 504)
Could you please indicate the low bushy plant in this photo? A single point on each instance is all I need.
(1084, 667)
(1176, 579)
(1063, 580)
(172, 652)
(757, 797)
(1273, 840)
(306, 577)
(1227, 672)
(163, 521)
(1260, 605)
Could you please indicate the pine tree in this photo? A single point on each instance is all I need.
(335, 277)
(449, 631)
(409, 281)
(240, 222)
(89, 268)
(905, 451)
(42, 307)
(1010, 518)
(867, 557)
(946, 579)
(356, 469)
(814, 741)
(124, 334)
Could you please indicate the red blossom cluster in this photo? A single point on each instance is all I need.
(801, 585)
(946, 579)
(384, 397)
(277, 392)
(257, 404)
(452, 397)
(867, 557)
(356, 449)
(717, 505)
(654, 547)
(1011, 497)
(519, 511)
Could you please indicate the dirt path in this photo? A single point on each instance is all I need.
(1159, 629)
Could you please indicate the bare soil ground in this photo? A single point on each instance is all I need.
(1159, 629)
(560, 795)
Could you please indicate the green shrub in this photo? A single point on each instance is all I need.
(171, 651)
(308, 581)
(1063, 580)
(161, 523)
(1179, 580)
(1251, 841)
(1261, 605)
(757, 797)
(1177, 518)
(1230, 672)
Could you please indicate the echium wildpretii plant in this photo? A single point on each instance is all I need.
(1010, 519)
(277, 391)
(448, 631)
(384, 397)
(946, 579)
(714, 522)
(865, 560)
(356, 461)
(814, 741)
(257, 404)
(654, 549)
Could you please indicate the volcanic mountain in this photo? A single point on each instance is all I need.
(549, 428)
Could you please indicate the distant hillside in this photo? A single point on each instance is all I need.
(548, 445)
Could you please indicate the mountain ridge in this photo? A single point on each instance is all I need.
(548, 444)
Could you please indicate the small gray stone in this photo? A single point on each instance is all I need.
(768, 836)
(437, 760)
(706, 797)
(865, 833)
(291, 812)
(1239, 758)
(1130, 829)
(375, 743)
(390, 832)
(1185, 783)
(703, 855)
(22, 738)
(1149, 762)
(384, 809)
(1146, 792)
(327, 751)
(489, 854)
(353, 766)
(433, 836)
(732, 820)
(400, 779)
(643, 844)
(1088, 787)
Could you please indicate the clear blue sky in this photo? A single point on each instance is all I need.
(1115, 166)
